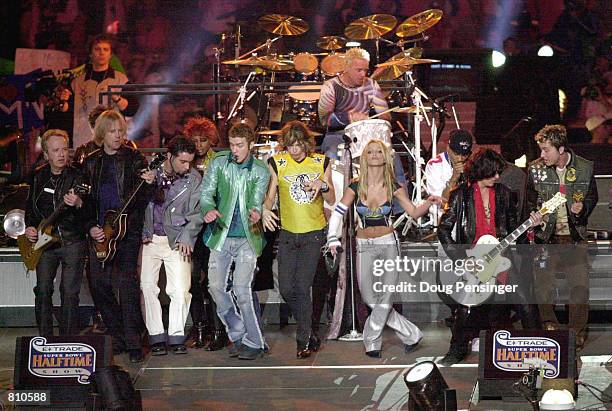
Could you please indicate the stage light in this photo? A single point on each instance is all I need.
(498, 58)
(545, 51)
(353, 44)
(428, 389)
(557, 400)
(562, 102)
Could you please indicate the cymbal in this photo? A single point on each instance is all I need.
(409, 109)
(331, 42)
(406, 61)
(394, 71)
(418, 23)
(263, 62)
(279, 132)
(370, 27)
(283, 25)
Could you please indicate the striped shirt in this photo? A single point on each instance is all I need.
(338, 100)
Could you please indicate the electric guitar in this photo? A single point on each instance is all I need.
(115, 222)
(31, 252)
(488, 252)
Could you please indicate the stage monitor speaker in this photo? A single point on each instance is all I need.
(61, 365)
(505, 355)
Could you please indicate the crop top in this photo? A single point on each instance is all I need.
(380, 216)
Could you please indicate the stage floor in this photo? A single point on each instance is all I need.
(340, 376)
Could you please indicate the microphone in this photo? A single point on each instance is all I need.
(446, 98)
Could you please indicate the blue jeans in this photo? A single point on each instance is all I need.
(234, 297)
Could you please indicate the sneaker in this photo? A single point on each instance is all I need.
(178, 349)
(234, 349)
(159, 349)
(374, 354)
(248, 353)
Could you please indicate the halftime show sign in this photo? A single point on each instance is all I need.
(518, 354)
(60, 361)
(504, 354)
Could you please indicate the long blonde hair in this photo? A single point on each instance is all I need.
(388, 172)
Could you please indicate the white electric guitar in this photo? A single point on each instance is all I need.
(488, 252)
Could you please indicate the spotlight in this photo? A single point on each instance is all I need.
(428, 390)
(562, 102)
(498, 58)
(545, 51)
(353, 44)
(557, 400)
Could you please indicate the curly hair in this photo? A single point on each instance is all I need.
(296, 132)
(242, 130)
(556, 134)
(202, 126)
(485, 164)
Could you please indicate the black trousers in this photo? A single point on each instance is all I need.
(72, 259)
(298, 256)
(203, 308)
(123, 318)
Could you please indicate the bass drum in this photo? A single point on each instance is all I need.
(303, 100)
(333, 64)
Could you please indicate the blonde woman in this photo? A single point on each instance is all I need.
(373, 195)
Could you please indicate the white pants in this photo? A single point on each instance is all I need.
(178, 282)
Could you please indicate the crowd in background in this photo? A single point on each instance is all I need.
(163, 41)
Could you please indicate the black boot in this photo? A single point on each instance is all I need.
(200, 335)
(218, 341)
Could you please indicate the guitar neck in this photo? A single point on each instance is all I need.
(508, 240)
(53, 217)
(127, 203)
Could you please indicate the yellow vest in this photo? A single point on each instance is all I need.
(299, 212)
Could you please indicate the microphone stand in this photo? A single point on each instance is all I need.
(353, 335)
(241, 98)
(218, 116)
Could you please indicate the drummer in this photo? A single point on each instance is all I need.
(347, 98)
(350, 97)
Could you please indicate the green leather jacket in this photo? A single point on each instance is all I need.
(223, 181)
(543, 184)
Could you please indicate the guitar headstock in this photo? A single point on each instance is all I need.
(82, 189)
(551, 205)
(157, 161)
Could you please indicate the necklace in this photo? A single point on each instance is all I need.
(487, 211)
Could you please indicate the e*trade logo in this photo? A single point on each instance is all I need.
(518, 353)
(61, 360)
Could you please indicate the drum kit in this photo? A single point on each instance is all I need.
(311, 67)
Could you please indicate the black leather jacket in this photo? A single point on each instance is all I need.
(71, 224)
(461, 217)
(130, 162)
